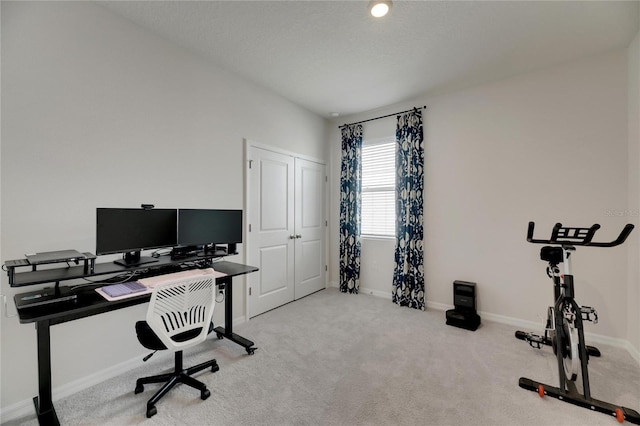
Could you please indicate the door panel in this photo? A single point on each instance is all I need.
(310, 268)
(271, 219)
(273, 261)
(274, 189)
(310, 227)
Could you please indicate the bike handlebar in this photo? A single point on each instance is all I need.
(578, 236)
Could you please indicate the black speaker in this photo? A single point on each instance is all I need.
(464, 295)
(464, 314)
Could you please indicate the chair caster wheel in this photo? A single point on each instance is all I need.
(205, 394)
(151, 411)
(139, 389)
(250, 351)
(215, 368)
(220, 336)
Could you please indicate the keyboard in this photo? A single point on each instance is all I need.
(117, 290)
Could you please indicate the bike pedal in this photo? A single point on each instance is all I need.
(587, 311)
(534, 340)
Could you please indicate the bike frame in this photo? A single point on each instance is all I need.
(565, 298)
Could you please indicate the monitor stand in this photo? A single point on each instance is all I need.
(133, 258)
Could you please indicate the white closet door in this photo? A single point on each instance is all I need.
(309, 227)
(271, 240)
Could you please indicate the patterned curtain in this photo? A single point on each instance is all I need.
(408, 274)
(350, 187)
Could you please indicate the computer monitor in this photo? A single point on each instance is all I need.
(129, 231)
(206, 227)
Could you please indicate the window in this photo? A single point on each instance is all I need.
(378, 188)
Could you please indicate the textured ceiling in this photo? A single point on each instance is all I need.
(331, 56)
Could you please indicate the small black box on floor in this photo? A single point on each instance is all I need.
(466, 320)
(464, 314)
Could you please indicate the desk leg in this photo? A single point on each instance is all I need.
(227, 331)
(44, 402)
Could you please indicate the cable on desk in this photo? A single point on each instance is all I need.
(160, 252)
(119, 279)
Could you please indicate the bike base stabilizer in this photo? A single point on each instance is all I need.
(619, 412)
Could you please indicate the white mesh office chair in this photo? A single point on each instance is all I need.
(179, 316)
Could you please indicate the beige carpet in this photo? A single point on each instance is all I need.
(342, 359)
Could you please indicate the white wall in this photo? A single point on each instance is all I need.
(549, 146)
(633, 300)
(97, 112)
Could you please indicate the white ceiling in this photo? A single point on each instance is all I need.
(332, 56)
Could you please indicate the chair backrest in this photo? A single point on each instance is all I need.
(181, 309)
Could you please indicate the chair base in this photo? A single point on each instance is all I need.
(179, 375)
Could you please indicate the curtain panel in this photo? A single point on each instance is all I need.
(350, 202)
(408, 274)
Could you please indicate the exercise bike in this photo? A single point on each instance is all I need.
(555, 256)
(564, 329)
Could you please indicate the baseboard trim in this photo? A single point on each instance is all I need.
(539, 327)
(377, 293)
(633, 351)
(25, 407)
(365, 290)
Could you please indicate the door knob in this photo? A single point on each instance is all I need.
(298, 236)
(292, 237)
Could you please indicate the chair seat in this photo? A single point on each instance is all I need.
(150, 340)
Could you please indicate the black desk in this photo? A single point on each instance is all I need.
(88, 302)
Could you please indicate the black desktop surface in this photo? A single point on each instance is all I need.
(77, 272)
(88, 302)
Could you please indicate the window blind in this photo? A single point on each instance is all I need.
(378, 189)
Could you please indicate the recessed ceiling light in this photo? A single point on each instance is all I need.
(379, 8)
(335, 114)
